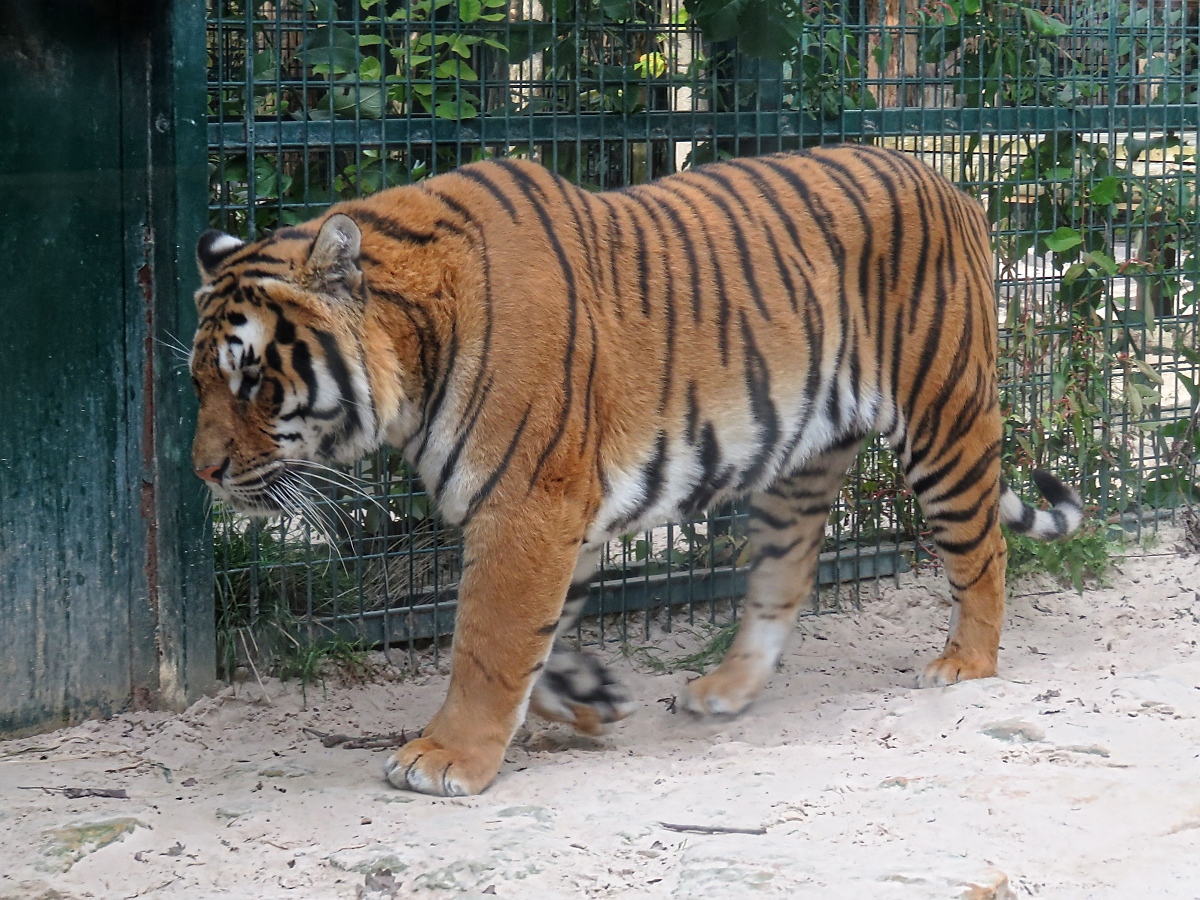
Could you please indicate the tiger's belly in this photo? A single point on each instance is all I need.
(702, 465)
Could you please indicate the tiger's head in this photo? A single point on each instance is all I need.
(278, 362)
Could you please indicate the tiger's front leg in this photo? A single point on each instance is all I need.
(515, 575)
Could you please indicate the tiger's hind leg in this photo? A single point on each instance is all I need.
(787, 528)
(575, 687)
(958, 488)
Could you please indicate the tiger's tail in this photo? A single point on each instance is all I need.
(1064, 516)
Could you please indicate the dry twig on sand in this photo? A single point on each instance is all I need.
(77, 793)
(362, 742)
(711, 829)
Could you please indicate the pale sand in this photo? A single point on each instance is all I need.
(1075, 774)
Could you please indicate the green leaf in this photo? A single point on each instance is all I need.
(370, 69)
(1063, 239)
(1147, 370)
(1074, 273)
(347, 98)
(450, 110)
(323, 10)
(1102, 261)
(1043, 24)
(1148, 394)
(266, 67)
(330, 49)
(453, 68)
(1192, 389)
(971, 7)
(1168, 487)
(526, 41)
(1133, 398)
(469, 10)
(1107, 191)
(770, 29)
(1135, 147)
(619, 10)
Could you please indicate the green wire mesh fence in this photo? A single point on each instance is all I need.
(1075, 123)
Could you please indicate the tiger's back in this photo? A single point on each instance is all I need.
(562, 367)
(715, 328)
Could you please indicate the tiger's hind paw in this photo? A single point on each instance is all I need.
(577, 689)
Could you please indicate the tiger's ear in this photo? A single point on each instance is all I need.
(212, 249)
(333, 260)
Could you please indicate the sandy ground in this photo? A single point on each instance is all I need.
(1076, 773)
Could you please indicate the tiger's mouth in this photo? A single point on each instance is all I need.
(261, 494)
(288, 487)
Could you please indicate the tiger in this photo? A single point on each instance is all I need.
(562, 367)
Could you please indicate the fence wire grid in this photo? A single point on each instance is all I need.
(1075, 124)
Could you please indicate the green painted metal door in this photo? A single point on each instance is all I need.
(104, 585)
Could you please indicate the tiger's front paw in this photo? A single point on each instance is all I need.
(577, 689)
(426, 766)
(953, 668)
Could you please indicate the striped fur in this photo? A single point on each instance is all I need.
(562, 367)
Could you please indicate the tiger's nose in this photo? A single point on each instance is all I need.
(213, 474)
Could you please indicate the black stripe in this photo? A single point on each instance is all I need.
(961, 548)
(713, 477)
(777, 551)
(389, 227)
(968, 479)
(614, 253)
(821, 217)
(643, 263)
(652, 485)
(335, 362)
(745, 255)
(488, 486)
(936, 412)
(693, 413)
(460, 442)
(843, 178)
(723, 312)
(428, 343)
(877, 163)
(764, 230)
(933, 337)
(967, 585)
(475, 174)
(590, 383)
(478, 392)
(751, 168)
(527, 187)
(762, 408)
(758, 514)
(654, 200)
(668, 365)
(924, 483)
(302, 366)
(434, 407)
